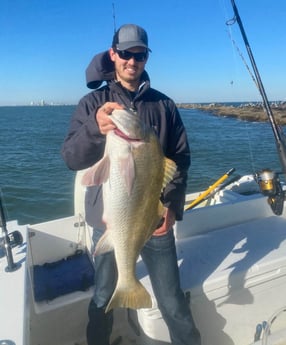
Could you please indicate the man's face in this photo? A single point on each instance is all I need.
(127, 67)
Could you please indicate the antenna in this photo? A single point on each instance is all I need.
(113, 14)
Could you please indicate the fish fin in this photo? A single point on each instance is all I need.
(104, 244)
(135, 297)
(161, 209)
(156, 222)
(98, 173)
(170, 168)
(127, 170)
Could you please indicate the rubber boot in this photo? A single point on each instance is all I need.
(99, 326)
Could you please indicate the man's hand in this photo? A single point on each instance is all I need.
(103, 120)
(169, 221)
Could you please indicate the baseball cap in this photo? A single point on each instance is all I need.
(129, 36)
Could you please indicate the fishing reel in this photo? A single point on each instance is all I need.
(270, 185)
(14, 238)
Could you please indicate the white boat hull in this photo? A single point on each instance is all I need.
(232, 259)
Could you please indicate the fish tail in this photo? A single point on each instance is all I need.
(135, 298)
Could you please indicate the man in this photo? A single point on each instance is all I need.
(128, 85)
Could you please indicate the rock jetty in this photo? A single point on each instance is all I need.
(247, 112)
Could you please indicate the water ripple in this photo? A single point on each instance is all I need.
(37, 186)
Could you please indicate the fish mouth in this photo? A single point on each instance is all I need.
(125, 136)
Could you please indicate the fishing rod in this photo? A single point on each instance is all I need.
(280, 138)
(7, 242)
(207, 193)
(114, 19)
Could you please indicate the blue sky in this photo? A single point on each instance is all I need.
(46, 46)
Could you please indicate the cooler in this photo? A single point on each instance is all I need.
(236, 278)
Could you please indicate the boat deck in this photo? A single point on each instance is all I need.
(232, 260)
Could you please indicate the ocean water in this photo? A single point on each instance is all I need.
(36, 186)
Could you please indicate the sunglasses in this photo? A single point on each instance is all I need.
(126, 55)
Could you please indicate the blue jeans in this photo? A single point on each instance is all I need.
(105, 274)
(160, 258)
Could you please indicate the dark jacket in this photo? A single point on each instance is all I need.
(84, 144)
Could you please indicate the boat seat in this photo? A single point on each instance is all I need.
(62, 282)
(62, 301)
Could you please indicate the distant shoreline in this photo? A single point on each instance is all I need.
(253, 112)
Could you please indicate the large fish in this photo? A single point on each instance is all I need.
(133, 172)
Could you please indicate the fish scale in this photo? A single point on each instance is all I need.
(133, 172)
